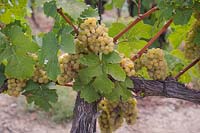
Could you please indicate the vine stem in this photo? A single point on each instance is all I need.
(100, 10)
(187, 68)
(139, 7)
(138, 19)
(164, 28)
(67, 20)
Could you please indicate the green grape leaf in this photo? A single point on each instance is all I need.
(20, 67)
(112, 57)
(72, 7)
(89, 12)
(67, 43)
(197, 37)
(49, 54)
(146, 31)
(50, 8)
(41, 95)
(90, 60)
(120, 91)
(89, 94)
(116, 72)
(103, 84)
(115, 28)
(143, 72)
(23, 43)
(87, 74)
(2, 76)
(128, 48)
(128, 83)
(182, 16)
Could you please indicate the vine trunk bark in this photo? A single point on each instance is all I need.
(85, 115)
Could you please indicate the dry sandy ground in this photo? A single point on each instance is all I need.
(156, 115)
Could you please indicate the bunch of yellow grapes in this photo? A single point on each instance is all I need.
(15, 86)
(113, 114)
(155, 63)
(128, 66)
(40, 75)
(69, 66)
(93, 37)
(192, 48)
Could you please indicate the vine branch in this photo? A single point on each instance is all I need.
(138, 19)
(67, 20)
(187, 68)
(152, 40)
(168, 88)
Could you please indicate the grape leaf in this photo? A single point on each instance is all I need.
(24, 44)
(103, 84)
(67, 43)
(20, 67)
(112, 57)
(115, 28)
(87, 74)
(72, 7)
(118, 3)
(41, 95)
(116, 72)
(90, 60)
(89, 12)
(48, 53)
(89, 94)
(182, 16)
(50, 8)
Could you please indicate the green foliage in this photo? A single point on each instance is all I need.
(48, 54)
(2, 76)
(41, 95)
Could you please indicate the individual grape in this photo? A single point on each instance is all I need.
(94, 38)
(129, 109)
(15, 86)
(69, 66)
(128, 66)
(155, 63)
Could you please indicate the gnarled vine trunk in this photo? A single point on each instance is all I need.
(85, 115)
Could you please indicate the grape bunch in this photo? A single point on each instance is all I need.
(69, 66)
(15, 86)
(93, 37)
(113, 114)
(39, 75)
(155, 63)
(130, 110)
(192, 48)
(128, 66)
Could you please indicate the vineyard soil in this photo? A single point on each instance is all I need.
(157, 115)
